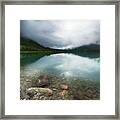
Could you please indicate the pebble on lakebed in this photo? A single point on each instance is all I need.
(63, 93)
(48, 87)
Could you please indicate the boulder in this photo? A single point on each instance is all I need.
(41, 82)
(42, 91)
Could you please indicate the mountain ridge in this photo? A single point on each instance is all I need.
(31, 45)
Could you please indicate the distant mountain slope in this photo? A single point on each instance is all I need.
(30, 45)
(86, 48)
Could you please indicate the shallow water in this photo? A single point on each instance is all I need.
(62, 65)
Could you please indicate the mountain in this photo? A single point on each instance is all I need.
(30, 45)
(86, 48)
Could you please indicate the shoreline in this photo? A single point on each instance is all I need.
(46, 87)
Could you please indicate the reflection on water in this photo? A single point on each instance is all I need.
(65, 65)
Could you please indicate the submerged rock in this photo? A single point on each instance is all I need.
(64, 87)
(63, 93)
(41, 91)
(41, 81)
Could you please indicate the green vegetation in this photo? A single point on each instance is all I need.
(27, 45)
(30, 46)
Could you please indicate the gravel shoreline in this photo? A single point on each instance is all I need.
(46, 87)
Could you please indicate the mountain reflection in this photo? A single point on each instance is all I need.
(66, 65)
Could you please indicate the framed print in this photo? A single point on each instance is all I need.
(60, 59)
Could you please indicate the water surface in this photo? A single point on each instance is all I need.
(62, 65)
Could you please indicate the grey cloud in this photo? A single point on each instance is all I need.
(52, 33)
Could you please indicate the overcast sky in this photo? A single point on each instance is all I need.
(61, 34)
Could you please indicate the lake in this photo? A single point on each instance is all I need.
(63, 66)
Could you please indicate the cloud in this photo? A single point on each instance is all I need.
(61, 34)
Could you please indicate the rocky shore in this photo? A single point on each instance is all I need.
(46, 87)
